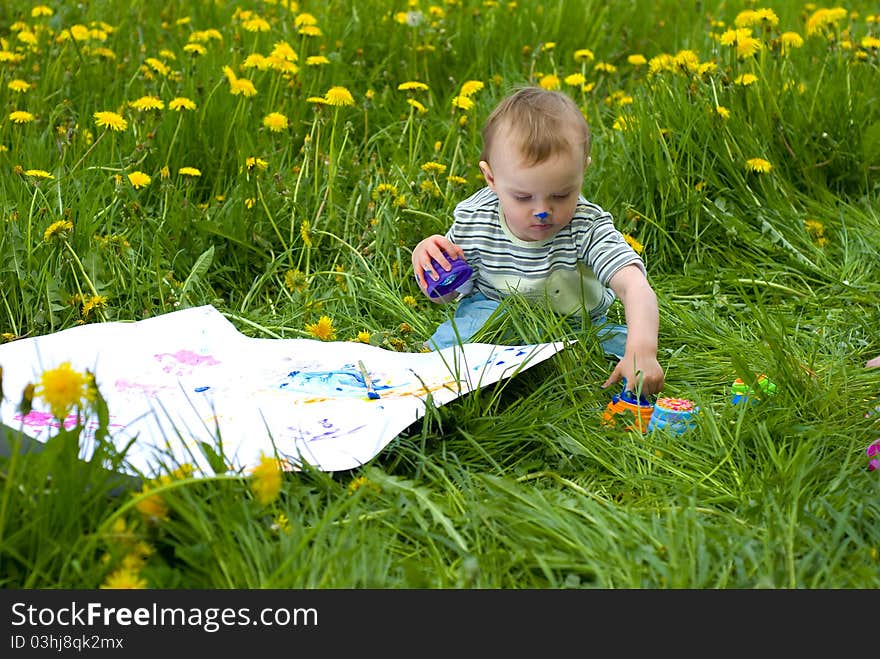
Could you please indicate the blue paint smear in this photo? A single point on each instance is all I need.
(345, 382)
(201, 389)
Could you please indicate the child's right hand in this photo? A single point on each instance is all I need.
(435, 247)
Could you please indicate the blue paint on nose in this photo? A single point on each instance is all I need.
(542, 215)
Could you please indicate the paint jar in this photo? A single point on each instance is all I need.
(626, 404)
(674, 414)
(449, 281)
(740, 391)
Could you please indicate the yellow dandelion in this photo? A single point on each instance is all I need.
(139, 180)
(339, 96)
(317, 100)
(265, 481)
(746, 79)
(421, 109)
(304, 19)
(549, 81)
(181, 103)
(242, 86)
(275, 121)
(722, 112)
(58, 229)
(790, 40)
(18, 85)
(149, 102)
(41, 10)
(412, 85)
(575, 80)
(456, 180)
(255, 163)
(63, 388)
(605, 67)
(323, 329)
(124, 578)
(21, 117)
(110, 120)
(584, 55)
(195, 49)
(37, 173)
(471, 87)
(637, 60)
(305, 233)
(256, 24)
(462, 103)
(93, 302)
(189, 171)
(316, 60)
(432, 167)
(758, 165)
(364, 337)
(638, 248)
(409, 300)
(310, 31)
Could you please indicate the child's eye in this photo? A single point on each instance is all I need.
(522, 197)
(561, 196)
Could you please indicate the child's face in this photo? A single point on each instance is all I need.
(539, 200)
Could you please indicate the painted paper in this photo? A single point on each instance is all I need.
(187, 380)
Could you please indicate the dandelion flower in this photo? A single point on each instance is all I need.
(462, 103)
(63, 388)
(722, 112)
(549, 81)
(242, 86)
(637, 60)
(421, 109)
(304, 19)
(181, 103)
(638, 248)
(255, 163)
(93, 302)
(20, 117)
(18, 85)
(110, 120)
(124, 578)
(471, 87)
(310, 31)
(746, 79)
(189, 171)
(575, 80)
(758, 165)
(37, 173)
(790, 40)
(316, 60)
(412, 85)
(409, 301)
(323, 329)
(195, 49)
(265, 480)
(432, 167)
(275, 121)
(139, 179)
(149, 102)
(364, 337)
(58, 229)
(339, 96)
(584, 55)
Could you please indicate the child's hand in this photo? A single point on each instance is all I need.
(435, 247)
(873, 363)
(647, 372)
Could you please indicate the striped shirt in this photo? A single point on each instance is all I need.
(569, 271)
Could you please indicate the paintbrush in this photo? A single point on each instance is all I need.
(371, 390)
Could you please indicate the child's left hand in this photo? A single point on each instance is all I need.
(873, 363)
(644, 371)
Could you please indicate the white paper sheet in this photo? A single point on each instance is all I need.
(189, 376)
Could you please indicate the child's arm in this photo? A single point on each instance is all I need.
(436, 247)
(643, 326)
(873, 363)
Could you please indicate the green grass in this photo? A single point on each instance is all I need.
(517, 485)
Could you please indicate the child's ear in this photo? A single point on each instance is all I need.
(487, 174)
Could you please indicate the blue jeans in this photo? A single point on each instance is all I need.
(474, 310)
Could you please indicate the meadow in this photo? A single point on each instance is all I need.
(280, 159)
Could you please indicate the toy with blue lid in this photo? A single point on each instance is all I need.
(449, 281)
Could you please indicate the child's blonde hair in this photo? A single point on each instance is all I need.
(538, 118)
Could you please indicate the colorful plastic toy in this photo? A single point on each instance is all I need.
(675, 414)
(449, 281)
(741, 391)
(639, 408)
(873, 450)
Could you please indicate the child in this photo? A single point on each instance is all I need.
(530, 231)
(873, 363)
